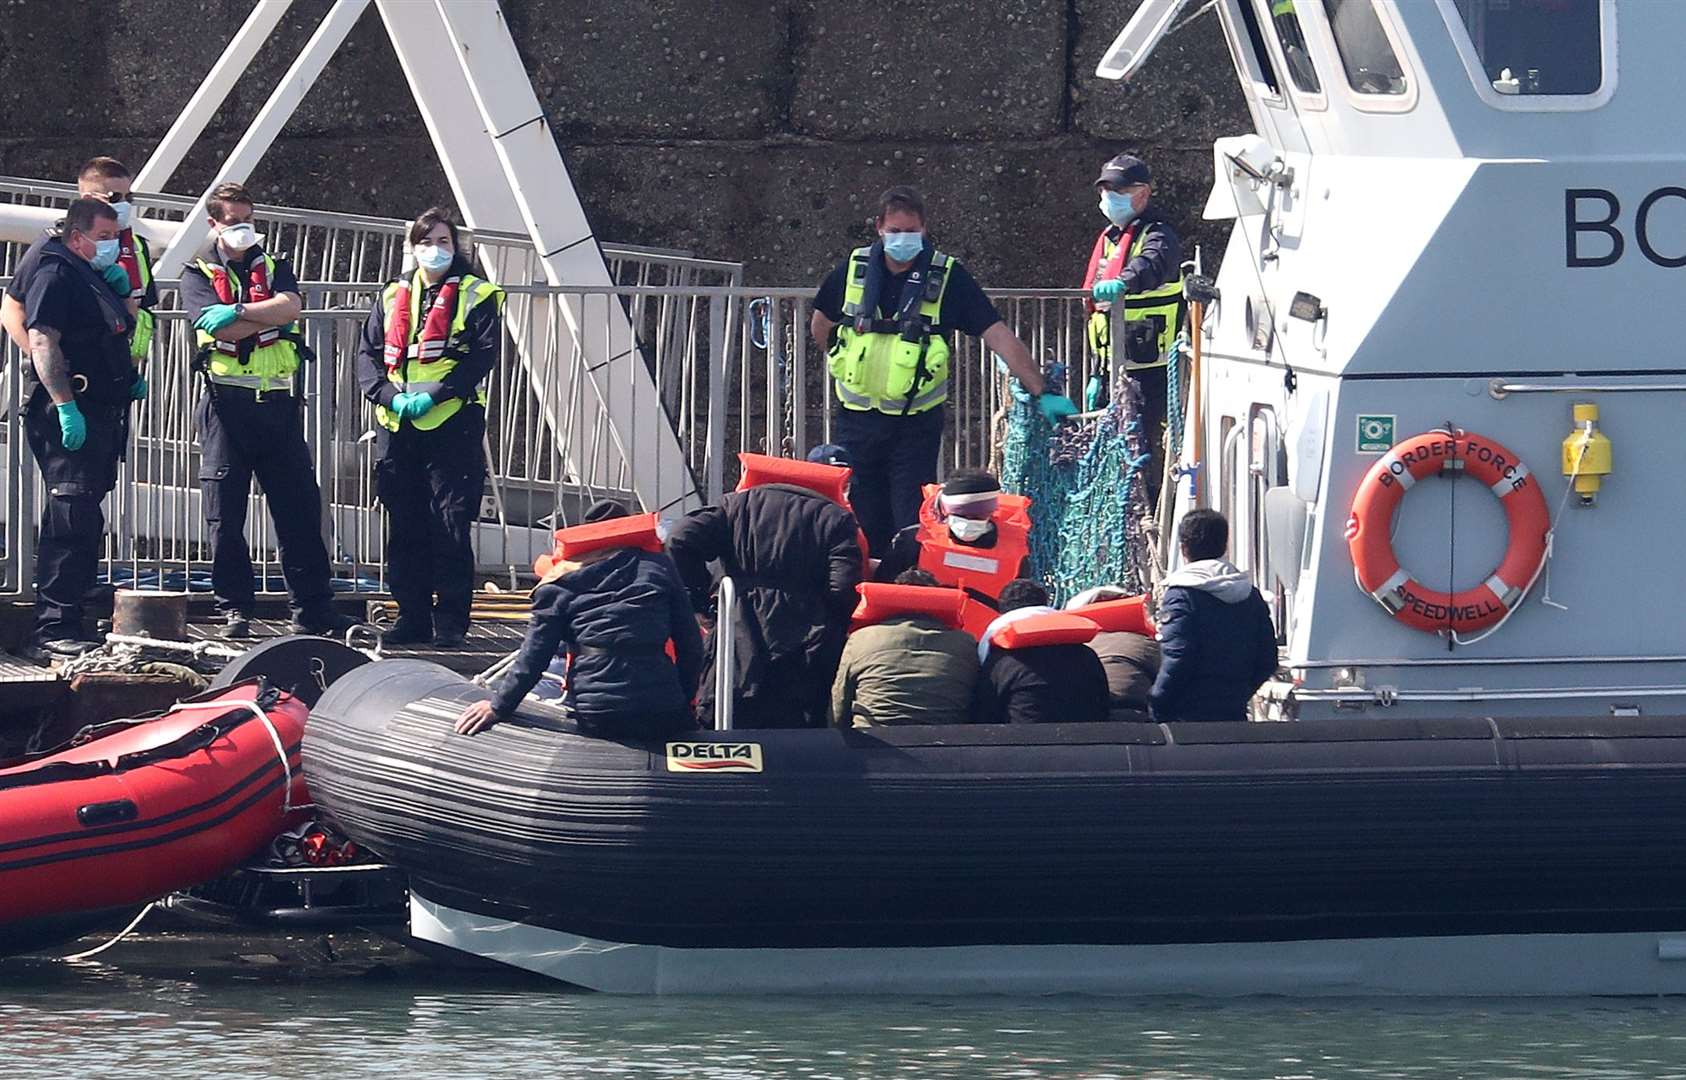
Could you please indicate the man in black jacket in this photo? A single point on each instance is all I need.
(79, 384)
(795, 560)
(1216, 640)
(1044, 684)
(612, 613)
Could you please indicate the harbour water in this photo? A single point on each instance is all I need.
(94, 1020)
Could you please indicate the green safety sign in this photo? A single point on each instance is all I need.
(1375, 433)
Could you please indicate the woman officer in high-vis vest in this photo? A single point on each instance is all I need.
(430, 343)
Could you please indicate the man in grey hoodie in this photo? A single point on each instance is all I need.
(1216, 640)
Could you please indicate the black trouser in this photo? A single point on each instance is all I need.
(1153, 384)
(72, 524)
(430, 483)
(636, 725)
(893, 458)
(242, 436)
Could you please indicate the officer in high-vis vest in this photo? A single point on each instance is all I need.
(243, 303)
(130, 277)
(431, 341)
(886, 314)
(1136, 262)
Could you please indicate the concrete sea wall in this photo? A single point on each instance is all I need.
(755, 131)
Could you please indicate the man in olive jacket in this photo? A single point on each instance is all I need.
(908, 669)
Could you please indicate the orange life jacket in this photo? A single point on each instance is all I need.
(436, 326)
(1103, 268)
(1128, 616)
(637, 531)
(1045, 628)
(882, 600)
(981, 571)
(257, 291)
(832, 481)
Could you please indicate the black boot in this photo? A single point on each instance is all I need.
(236, 625)
(45, 650)
(449, 637)
(408, 631)
(324, 621)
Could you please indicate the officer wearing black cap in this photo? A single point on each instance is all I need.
(81, 381)
(1136, 261)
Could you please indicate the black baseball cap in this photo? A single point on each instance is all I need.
(604, 510)
(1125, 169)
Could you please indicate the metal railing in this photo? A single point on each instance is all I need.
(735, 369)
(327, 246)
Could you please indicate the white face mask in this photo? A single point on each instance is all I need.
(432, 257)
(969, 530)
(238, 237)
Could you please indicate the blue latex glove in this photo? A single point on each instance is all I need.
(215, 317)
(117, 278)
(73, 429)
(137, 390)
(1056, 407)
(412, 406)
(1107, 291)
(1093, 393)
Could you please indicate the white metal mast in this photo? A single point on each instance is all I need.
(497, 149)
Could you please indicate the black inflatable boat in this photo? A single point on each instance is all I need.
(1363, 856)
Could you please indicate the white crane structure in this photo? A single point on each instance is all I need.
(506, 175)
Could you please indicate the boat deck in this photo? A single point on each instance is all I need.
(27, 689)
(487, 641)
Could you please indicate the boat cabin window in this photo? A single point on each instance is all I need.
(1259, 67)
(1537, 47)
(1372, 67)
(1295, 53)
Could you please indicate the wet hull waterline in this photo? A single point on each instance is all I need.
(1485, 965)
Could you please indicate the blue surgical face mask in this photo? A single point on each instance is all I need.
(105, 254)
(125, 213)
(432, 257)
(904, 246)
(1117, 208)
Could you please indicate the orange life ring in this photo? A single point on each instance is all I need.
(1369, 531)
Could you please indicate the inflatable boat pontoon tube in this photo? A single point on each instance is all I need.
(1453, 856)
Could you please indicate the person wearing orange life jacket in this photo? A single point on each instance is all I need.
(913, 665)
(1131, 660)
(244, 302)
(1039, 684)
(610, 612)
(431, 341)
(792, 549)
(968, 536)
(1136, 262)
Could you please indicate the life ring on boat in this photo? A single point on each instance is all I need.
(1369, 531)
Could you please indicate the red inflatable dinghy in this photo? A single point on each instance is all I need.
(140, 808)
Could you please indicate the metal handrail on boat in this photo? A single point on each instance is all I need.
(725, 652)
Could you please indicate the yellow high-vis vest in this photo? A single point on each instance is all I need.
(880, 370)
(441, 360)
(1164, 303)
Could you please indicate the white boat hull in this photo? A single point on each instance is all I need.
(1474, 966)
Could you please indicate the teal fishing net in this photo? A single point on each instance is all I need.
(1087, 484)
